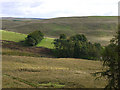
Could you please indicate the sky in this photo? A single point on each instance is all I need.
(57, 8)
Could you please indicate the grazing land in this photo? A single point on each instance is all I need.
(32, 72)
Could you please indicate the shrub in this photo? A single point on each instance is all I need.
(34, 38)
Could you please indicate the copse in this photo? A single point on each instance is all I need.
(34, 38)
(76, 46)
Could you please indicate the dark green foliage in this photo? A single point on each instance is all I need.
(111, 61)
(30, 41)
(62, 36)
(78, 37)
(34, 38)
(76, 46)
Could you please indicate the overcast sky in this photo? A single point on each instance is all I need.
(57, 8)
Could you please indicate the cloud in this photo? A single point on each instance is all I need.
(58, 8)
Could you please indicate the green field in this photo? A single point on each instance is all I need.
(16, 37)
(32, 72)
(12, 36)
(46, 42)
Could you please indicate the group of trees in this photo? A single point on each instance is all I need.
(76, 46)
(34, 38)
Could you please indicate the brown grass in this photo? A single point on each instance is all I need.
(50, 72)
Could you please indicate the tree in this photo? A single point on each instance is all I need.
(30, 41)
(111, 60)
(118, 55)
(34, 38)
(62, 36)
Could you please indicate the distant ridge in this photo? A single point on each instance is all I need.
(96, 28)
(12, 18)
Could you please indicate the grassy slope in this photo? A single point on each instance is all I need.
(12, 36)
(96, 28)
(46, 42)
(22, 71)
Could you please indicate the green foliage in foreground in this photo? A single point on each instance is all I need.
(111, 59)
(12, 36)
(77, 46)
(34, 38)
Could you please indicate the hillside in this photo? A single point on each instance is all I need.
(32, 72)
(97, 28)
(16, 37)
(12, 36)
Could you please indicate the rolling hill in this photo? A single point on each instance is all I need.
(97, 28)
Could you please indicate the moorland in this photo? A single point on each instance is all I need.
(36, 66)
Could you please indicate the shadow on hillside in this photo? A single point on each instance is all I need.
(44, 52)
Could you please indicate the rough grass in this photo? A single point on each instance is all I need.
(24, 72)
(7, 51)
(15, 48)
(16, 37)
